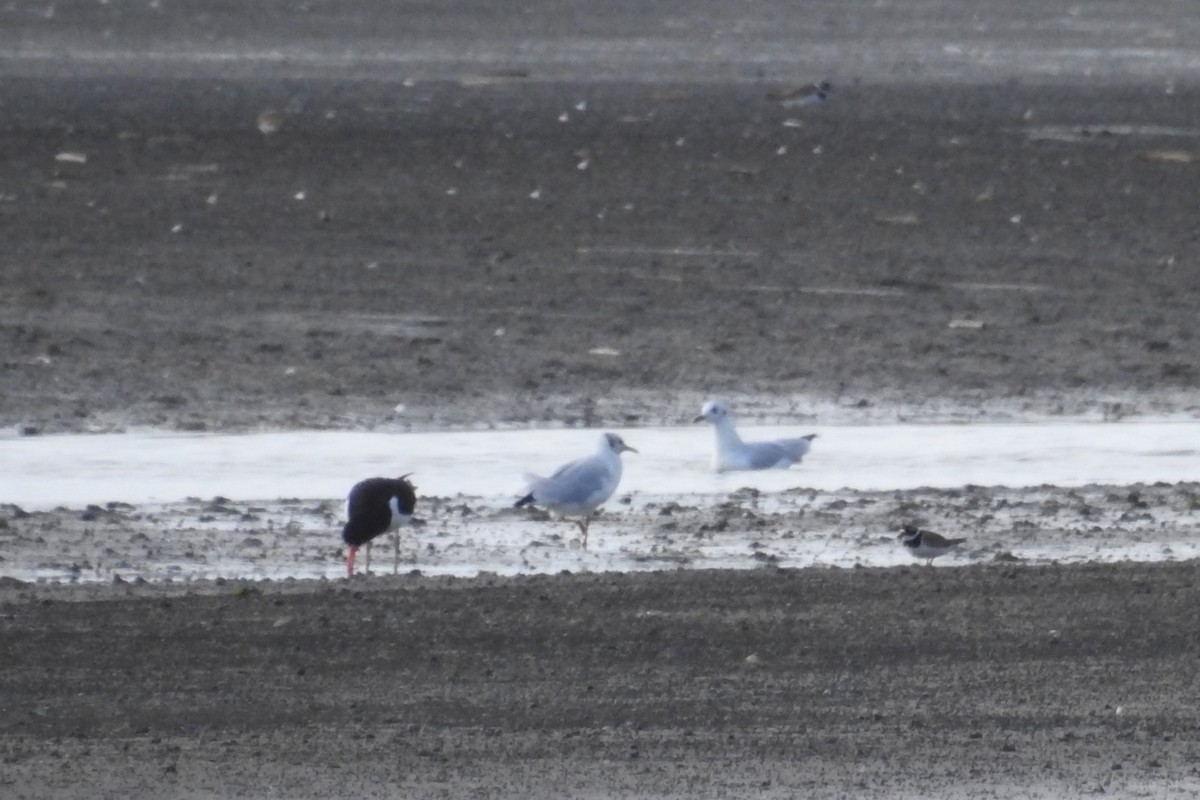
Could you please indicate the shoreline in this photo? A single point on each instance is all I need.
(199, 540)
(291, 252)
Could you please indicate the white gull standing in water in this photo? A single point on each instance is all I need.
(577, 489)
(731, 453)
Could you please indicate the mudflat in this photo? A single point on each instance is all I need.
(1012, 680)
(432, 242)
(460, 253)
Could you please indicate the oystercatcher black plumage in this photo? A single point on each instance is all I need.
(376, 506)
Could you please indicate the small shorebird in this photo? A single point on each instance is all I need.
(270, 121)
(926, 544)
(809, 95)
(577, 489)
(376, 506)
(731, 453)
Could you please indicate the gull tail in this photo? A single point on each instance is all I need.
(531, 481)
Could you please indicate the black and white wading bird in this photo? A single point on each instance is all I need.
(926, 544)
(731, 453)
(579, 488)
(376, 506)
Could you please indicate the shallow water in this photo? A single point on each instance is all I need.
(837, 509)
(45, 472)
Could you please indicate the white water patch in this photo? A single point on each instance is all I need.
(1007, 51)
(1098, 132)
(171, 507)
(680, 251)
(970, 286)
(45, 472)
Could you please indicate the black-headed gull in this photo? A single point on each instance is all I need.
(577, 489)
(376, 506)
(926, 544)
(732, 453)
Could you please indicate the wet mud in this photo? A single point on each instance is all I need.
(193, 246)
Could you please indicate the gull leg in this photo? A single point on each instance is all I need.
(583, 528)
(367, 569)
(396, 559)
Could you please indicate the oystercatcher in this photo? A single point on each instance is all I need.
(376, 506)
(926, 544)
(577, 489)
(731, 453)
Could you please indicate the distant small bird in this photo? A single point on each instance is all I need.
(809, 95)
(376, 506)
(270, 121)
(926, 544)
(579, 488)
(731, 453)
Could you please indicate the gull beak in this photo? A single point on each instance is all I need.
(627, 449)
(700, 418)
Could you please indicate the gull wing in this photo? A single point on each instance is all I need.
(779, 454)
(584, 482)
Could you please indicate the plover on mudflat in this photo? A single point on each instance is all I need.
(926, 544)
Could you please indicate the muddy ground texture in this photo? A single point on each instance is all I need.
(216, 252)
(996, 680)
(198, 540)
(1000, 671)
(457, 254)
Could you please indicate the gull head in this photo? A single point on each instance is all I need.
(617, 444)
(714, 411)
